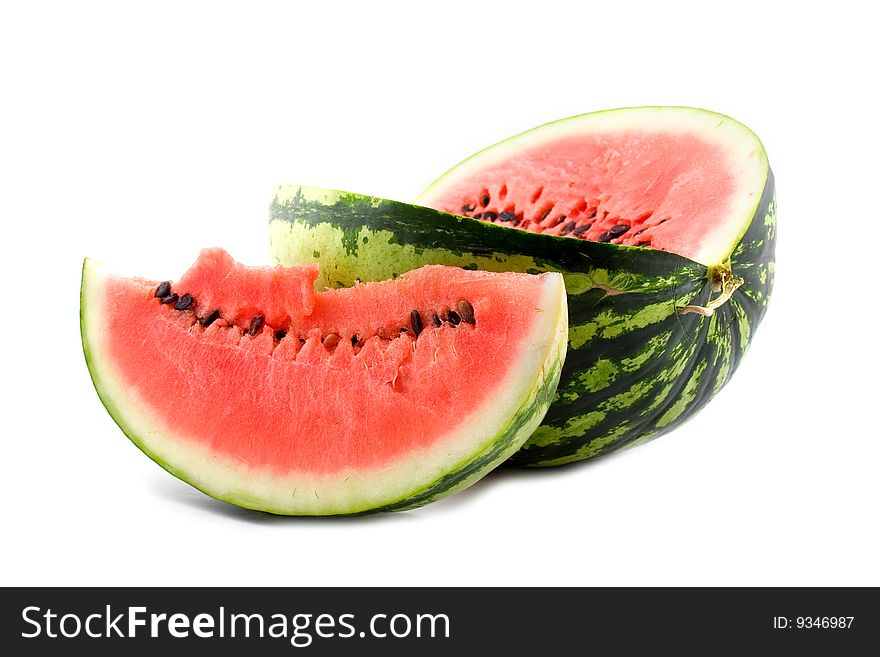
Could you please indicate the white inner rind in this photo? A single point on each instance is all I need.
(746, 160)
(348, 491)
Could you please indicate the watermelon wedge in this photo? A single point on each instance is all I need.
(252, 387)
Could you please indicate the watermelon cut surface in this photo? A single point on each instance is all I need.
(676, 179)
(257, 390)
(662, 221)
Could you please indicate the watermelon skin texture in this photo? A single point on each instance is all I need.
(636, 367)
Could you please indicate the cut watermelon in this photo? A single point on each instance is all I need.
(676, 179)
(654, 332)
(255, 389)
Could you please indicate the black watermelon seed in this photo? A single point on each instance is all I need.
(567, 228)
(605, 237)
(593, 214)
(559, 219)
(210, 318)
(516, 221)
(436, 319)
(484, 200)
(491, 216)
(507, 216)
(580, 230)
(644, 243)
(479, 215)
(416, 320)
(403, 329)
(280, 334)
(618, 230)
(453, 318)
(163, 290)
(171, 298)
(466, 310)
(331, 341)
(467, 208)
(256, 325)
(185, 302)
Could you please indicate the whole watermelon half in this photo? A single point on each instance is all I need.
(661, 219)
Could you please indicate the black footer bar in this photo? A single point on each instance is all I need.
(429, 621)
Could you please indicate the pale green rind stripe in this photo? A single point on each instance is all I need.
(370, 255)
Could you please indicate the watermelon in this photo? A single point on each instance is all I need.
(252, 387)
(661, 219)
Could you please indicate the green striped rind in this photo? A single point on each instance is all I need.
(636, 367)
(492, 450)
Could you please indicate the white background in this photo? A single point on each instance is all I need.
(139, 134)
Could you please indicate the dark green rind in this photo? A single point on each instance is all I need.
(506, 442)
(636, 368)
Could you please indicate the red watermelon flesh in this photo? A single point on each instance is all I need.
(265, 393)
(675, 179)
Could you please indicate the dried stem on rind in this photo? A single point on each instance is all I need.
(724, 281)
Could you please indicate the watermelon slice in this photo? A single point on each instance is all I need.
(252, 387)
